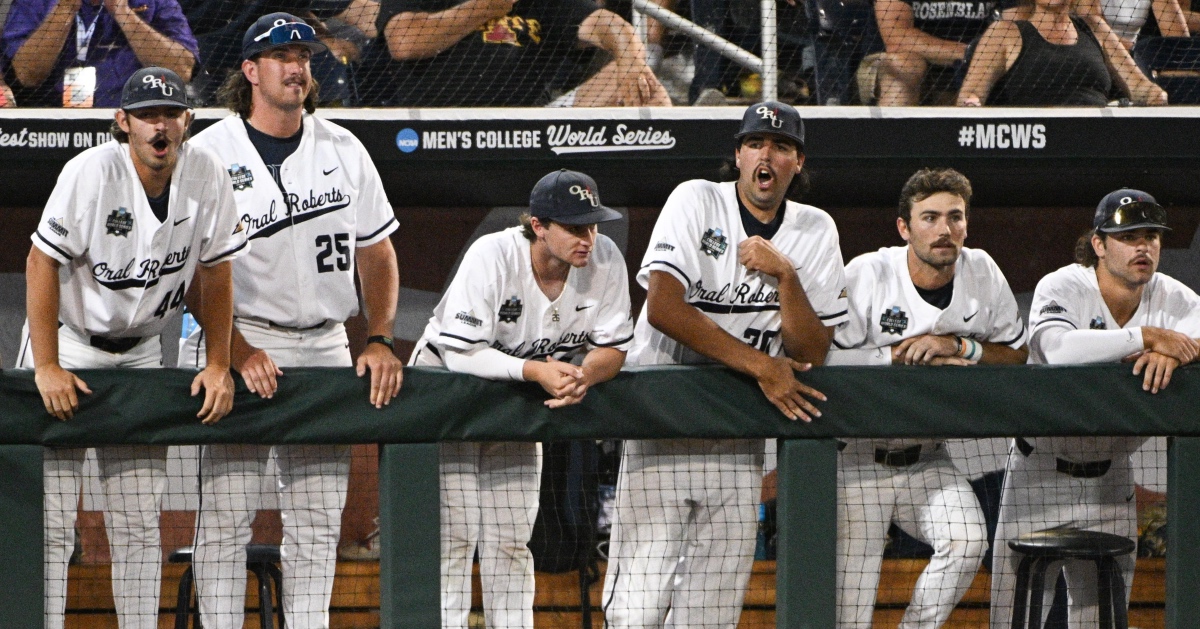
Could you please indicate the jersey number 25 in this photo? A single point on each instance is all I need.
(327, 244)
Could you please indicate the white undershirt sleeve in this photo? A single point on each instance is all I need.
(1063, 346)
(485, 362)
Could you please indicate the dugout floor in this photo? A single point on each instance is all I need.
(356, 597)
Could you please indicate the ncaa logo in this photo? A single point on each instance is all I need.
(159, 83)
(585, 194)
(407, 141)
(769, 114)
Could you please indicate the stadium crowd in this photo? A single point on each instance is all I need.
(501, 53)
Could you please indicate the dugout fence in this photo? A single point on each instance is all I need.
(646, 403)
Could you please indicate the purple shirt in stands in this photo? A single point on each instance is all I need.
(108, 51)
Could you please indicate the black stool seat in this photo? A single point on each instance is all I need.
(1073, 544)
(1044, 548)
(261, 559)
(255, 553)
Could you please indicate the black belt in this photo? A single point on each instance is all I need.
(1087, 469)
(115, 346)
(280, 326)
(898, 458)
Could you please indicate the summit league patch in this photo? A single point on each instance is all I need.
(1052, 308)
(242, 177)
(893, 321)
(119, 223)
(714, 242)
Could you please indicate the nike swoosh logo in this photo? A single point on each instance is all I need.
(578, 308)
(966, 319)
(326, 172)
(182, 220)
(1130, 498)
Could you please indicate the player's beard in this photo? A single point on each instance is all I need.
(1131, 276)
(938, 258)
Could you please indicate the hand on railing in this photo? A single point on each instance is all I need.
(1158, 368)
(58, 388)
(778, 382)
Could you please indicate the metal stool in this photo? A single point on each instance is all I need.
(261, 559)
(1046, 547)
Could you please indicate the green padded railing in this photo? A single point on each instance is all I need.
(330, 406)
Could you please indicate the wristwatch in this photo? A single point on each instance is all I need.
(382, 340)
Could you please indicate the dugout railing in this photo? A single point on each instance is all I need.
(330, 406)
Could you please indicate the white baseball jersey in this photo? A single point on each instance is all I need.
(696, 239)
(887, 309)
(495, 300)
(1070, 298)
(303, 239)
(124, 272)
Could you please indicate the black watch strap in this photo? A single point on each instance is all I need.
(382, 340)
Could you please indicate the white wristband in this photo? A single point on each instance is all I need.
(975, 350)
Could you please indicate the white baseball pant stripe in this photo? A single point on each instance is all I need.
(930, 500)
(133, 479)
(683, 538)
(1036, 497)
(489, 494)
(312, 492)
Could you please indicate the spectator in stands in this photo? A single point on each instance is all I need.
(1125, 17)
(925, 38)
(6, 94)
(462, 53)
(93, 46)
(1053, 58)
(344, 26)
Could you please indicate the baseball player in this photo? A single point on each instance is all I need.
(524, 303)
(129, 227)
(317, 215)
(739, 275)
(931, 302)
(1111, 305)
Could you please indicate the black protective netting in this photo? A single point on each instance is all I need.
(502, 53)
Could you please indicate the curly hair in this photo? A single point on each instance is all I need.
(1085, 254)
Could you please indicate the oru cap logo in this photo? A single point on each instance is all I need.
(585, 194)
(770, 114)
(160, 83)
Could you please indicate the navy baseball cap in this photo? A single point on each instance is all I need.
(154, 87)
(773, 117)
(569, 197)
(1128, 209)
(279, 29)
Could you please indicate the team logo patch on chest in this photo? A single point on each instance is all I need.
(713, 242)
(242, 177)
(893, 321)
(1098, 324)
(119, 223)
(510, 310)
